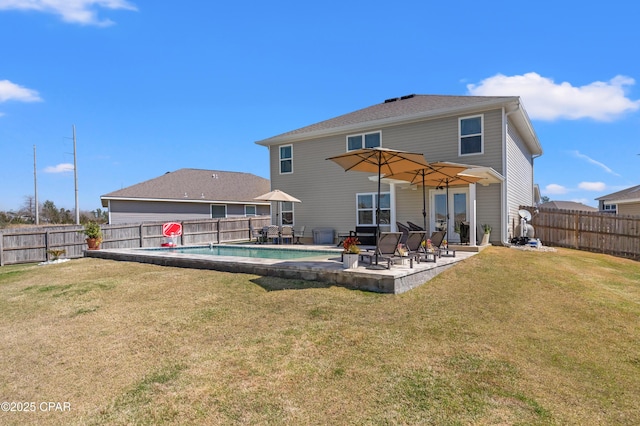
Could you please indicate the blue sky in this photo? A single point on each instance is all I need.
(155, 86)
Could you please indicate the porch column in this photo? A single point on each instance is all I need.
(472, 215)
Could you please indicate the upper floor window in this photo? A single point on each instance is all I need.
(364, 140)
(610, 208)
(286, 159)
(471, 136)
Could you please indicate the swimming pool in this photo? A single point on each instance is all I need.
(280, 253)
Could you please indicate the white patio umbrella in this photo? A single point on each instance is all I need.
(278, 196)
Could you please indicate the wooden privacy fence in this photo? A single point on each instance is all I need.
(28, 245)
(590, 231)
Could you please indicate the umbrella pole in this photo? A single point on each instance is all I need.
(377, 266)
(447, 205)
(424, 205)
(378, 209)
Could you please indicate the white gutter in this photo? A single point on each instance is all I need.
(185, 200)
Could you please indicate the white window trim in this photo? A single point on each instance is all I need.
(460, 154)
(255, 208)
(374, 196)
(284, 159)
(363, 137)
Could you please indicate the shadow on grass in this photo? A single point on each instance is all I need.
(276, 283)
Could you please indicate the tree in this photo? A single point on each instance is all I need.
(544, 199)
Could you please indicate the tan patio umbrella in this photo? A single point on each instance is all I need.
(382, 161)
(278, 196)
(439, 174)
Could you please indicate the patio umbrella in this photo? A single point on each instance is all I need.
(382, 161)
(278, 196)
(438, 174)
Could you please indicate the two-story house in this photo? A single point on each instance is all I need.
(493, 135)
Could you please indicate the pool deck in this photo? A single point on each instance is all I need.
(398, 279)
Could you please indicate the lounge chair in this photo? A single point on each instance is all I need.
(415, 227)
(436, 241)
(415, 248)
(387, 249)
(405, 231)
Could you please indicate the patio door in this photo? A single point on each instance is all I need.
(458, 206)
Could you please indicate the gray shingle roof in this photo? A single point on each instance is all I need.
(567, 205)
(197, 184)
(406, 106)
(632, 193)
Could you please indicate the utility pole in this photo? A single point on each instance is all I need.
(75, 174)
(35, 185)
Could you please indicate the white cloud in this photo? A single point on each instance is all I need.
(60, 168)
(545, 99)
(592, 186)
(73, 11)
(11, 91)
(597, 163)
(555, 189)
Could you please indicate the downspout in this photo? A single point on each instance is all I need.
(504, 206)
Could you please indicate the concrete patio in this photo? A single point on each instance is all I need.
(398, 279)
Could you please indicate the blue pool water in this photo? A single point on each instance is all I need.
(245, 251)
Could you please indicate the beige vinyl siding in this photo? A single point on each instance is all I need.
(409, 205)
(155, 211)
(488, 210)
(163, 211)
(328, 193)
(519, 177)
(631, 209)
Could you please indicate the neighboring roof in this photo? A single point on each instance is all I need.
(567, 205)
(629, 195)
(412, 108)
(196, 185)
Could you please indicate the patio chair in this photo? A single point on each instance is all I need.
(258, 234)
(299, 234)
(405, 231)
(415, 227)
(286, 234)
(387, 248)
(273, 233)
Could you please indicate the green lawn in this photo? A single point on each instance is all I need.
(505, 337)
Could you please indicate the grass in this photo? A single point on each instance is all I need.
(505, 337)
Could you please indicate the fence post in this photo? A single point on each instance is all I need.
(46, 245)
(576, 232)
(1, 253)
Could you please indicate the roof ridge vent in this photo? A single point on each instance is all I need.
(386, 101)
(407, 97)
